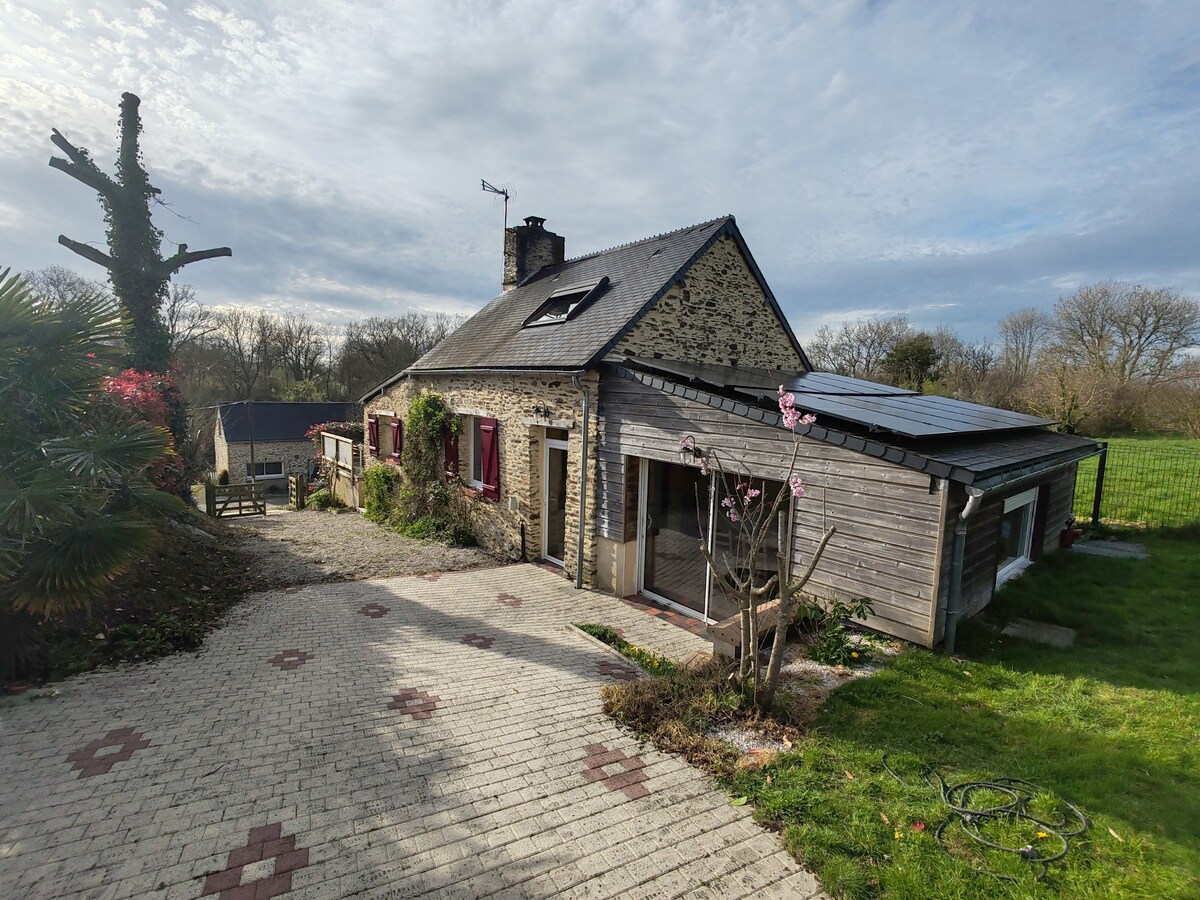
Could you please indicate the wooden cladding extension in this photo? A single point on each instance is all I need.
(887, 547)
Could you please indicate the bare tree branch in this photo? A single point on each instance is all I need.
(87, 252)
(184, 257)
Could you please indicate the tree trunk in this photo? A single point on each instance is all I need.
(788, 593)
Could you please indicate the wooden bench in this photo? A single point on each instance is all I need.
(727, 634)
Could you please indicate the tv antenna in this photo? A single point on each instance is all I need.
(503, 193)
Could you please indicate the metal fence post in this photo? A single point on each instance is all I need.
(1099, 494)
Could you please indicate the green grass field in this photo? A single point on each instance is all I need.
(1149, 481)
(1109, 724)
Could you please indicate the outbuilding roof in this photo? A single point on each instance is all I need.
(638, 274)
(983, 459)
(278, 421)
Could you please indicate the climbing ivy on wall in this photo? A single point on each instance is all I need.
(426, 504)
(425, 426)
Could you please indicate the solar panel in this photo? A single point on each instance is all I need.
(878, 407)
(917, 416)
(828, 383)
(770, 379)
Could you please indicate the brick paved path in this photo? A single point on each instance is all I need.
(452, 746)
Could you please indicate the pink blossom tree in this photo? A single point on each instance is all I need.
(752, 515)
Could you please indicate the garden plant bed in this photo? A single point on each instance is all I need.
(1107, 724)
(167, 603)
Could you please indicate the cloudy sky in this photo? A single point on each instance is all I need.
(953, 160)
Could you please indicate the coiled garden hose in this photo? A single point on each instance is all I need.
(970, 819)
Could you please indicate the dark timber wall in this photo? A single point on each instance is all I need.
(1056, 491)
(890, 526)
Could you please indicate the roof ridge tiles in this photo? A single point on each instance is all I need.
(652, 237)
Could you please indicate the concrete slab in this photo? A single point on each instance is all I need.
(1113, 549)
(1041, 632)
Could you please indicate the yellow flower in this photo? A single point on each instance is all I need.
(853, 654)
(1042, 835)
(899, 834)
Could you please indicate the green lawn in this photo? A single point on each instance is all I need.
(1110, 725)
(1149, 481)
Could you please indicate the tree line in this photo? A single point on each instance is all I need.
(239, 353)
(1110, 357)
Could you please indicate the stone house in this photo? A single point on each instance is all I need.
(576, 385)
(277, 430)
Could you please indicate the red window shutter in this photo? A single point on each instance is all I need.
(373, 436)
(489, 458)
(450, 448)
(395, 426)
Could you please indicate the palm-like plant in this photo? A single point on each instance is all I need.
(76, 508)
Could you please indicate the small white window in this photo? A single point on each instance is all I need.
(265, 470)
(474, 450)
(1016, 535)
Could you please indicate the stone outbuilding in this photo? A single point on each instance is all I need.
(277, 431)
(577, 384)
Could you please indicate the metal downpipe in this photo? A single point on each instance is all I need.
(954, 608)
(583, 473)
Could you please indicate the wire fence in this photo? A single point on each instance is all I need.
(1146, 483)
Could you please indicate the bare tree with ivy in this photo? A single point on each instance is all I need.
(136, 268)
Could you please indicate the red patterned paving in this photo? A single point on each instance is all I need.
(481, 641)
(374, 611)
(509, 600)
(265, 844)
(615, 670)
(415, 703)
(290, 659)
(676, 618)
(90, 761)
(627, 776)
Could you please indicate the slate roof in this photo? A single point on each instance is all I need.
(639, 273)
(280, 421)
(983, 460)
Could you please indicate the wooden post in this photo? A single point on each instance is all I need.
(210, 499)
(1099, 493)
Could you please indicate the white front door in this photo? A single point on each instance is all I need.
(554, 500)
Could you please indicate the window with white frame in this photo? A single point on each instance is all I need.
(265, 470)
(474, 450)
(1016, 535)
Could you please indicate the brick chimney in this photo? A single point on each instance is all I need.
(530, 247)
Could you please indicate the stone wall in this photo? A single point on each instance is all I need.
(511, 399)
(720, 314)
(294, 455)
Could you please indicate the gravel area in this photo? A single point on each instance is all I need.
(312, 546)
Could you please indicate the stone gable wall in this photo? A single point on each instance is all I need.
(718, 315)
(220, 449)
(511, 399)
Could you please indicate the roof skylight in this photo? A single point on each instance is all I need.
(566, 303)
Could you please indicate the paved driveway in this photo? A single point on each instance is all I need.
(436, 735)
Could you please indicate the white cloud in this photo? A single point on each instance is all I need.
(951, 158)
